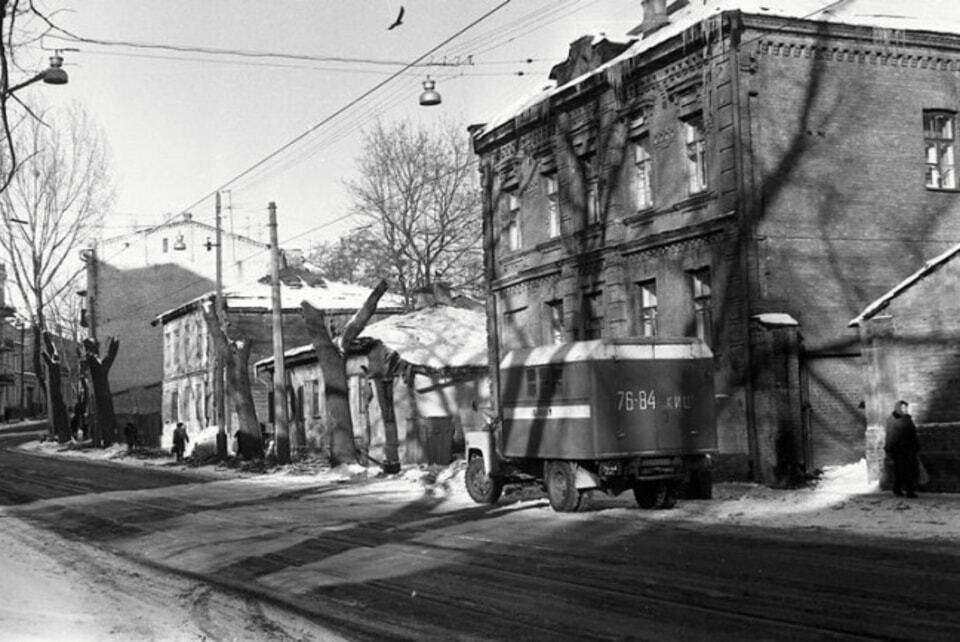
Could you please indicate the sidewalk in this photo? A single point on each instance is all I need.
(841, 503)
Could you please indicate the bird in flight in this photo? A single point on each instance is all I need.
(398, 21)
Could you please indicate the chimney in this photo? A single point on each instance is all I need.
(654, 16)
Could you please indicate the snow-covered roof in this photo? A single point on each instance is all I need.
(928, 268)
(896, 15)
(437, 337)
(320, 293)
(328, 295)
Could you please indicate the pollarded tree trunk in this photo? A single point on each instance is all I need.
(235, 355)
(333, 365)
(105, 421)
(58, 408)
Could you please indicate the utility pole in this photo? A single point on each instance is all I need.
(281, 432)
(218, 368)
(23, 349)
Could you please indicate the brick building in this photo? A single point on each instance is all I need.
(729, 163)
(911, 348)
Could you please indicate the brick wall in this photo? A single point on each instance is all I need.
(814, 144)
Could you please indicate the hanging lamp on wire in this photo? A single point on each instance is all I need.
(430, 96)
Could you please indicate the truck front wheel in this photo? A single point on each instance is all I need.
(560, 478)
(481, 487)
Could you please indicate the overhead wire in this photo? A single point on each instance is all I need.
(555, 12)
(347, 106)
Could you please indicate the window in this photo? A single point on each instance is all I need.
(531, 381)
(702, 304)
(642, 188)
(695, 152)
(592, 190)
(593, 315)
(512, 230)
(166, 245)
(938, 139)
(553, 206)
(552, 380)
(554, 332)
(647, 303)
(315, 397)
(174, 405)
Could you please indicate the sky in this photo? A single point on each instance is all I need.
(183, 122)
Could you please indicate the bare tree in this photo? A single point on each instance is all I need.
(105, 426)
(52, 203)
(58, 407)
(419, 191)
(235, 354)
(333, 364)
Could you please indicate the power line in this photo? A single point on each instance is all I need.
(346, 107)
(241, 53)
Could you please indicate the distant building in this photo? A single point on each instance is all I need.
(910, 338)
(134, 277)
(726, 160)
(188, 380)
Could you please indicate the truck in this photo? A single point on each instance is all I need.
(600, 415)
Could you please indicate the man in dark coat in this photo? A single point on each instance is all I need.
(180, 439)
(130, 433)
(901, 446)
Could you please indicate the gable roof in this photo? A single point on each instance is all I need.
(928, 268)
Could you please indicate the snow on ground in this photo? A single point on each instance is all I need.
(840, 501)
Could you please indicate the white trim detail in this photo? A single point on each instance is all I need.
(568, 411)
(578, 351)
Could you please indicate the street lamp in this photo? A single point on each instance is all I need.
(430, 95)
(52, 75)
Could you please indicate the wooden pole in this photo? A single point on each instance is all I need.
(281, 429)
(218, 365)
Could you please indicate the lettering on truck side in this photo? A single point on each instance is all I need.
(632, 400)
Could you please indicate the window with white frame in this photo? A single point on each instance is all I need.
(700, 281)
(512, 230)
(553, 205)
(642, 183)
(554, 310)
(940, 144)
(694, 137)
(647, 308)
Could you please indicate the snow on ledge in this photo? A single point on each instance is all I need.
(776, 320)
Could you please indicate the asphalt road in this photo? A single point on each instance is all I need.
(372, 566)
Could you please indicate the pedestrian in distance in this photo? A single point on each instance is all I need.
(902, 448)
(130, 434)
(180, 439)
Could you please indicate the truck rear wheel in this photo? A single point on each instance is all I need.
(560, 478)
(655, 494)
(481, 487)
